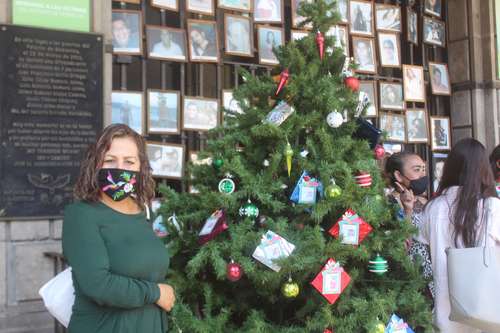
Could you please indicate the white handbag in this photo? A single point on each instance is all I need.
(473, 279)
(58, 295)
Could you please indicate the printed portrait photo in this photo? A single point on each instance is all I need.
(202, 39)
(413, 80)
(339, 32)
(200, 114)
(412, 27)
(238, 5)
(361, 17)
(166, 43)
(368, 88)
(388, 44)
(440, 79)
(416, 125)
(201, 6)
(229, 103)
(364, 54)
(388, 17)
(166, 160)
(268, 11)
(297, 19)
(166, 4)
(440, 133)
(269, 38)
(163, 111)
(434, 32)
(238, 32)
(126, 28)
(127, 108)
(343, 10)
(433, 7)
(394, 125)
(391, 96)
(438, 160)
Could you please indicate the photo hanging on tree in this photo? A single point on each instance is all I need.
(331, 281)
(279, 113)
(272, 247)
(351, 228)
(307, 189)
(213, 226)
(398, 325)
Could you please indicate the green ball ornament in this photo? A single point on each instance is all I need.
(249, 210)
(290, 289)
(379, 328)
(378, 265)
(218, 163)
(333, 191)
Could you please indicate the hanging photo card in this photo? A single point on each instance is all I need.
(272, 247)
(307, 189)
(351, 228)
(397, 325)
(213, 226)
(279, 113)
(331, 281)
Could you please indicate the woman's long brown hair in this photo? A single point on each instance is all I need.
(87, 187)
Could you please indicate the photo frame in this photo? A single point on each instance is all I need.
(391, 96)
(126, 30)
(195, 160)
(343, 10)
(204, 7)
(368, 87)
(172, 5)
(341, 35)
(392, 148)
(388, 17)
(414, 84)
(298, 19)
(136, 2)
(166, 43)
(163, 110)
(364, 55)
(202, 40)
(411, 26)
(434, 32)
(440, 78)
(237, 5)
(393, 125)
(296, 35)
(166, 159)
(238, 35)
(361, 17)
(389, 49)
(229, 103)
(268, 11)
(440, 133)
(269, 38)
(127, 107)
(199, 113)
(433, 7)
(438, 161)
(417, 126)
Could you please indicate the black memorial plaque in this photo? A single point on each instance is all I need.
(50, 111)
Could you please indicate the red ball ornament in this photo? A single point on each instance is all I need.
(379, 152)
(352, 83)
(363, 179)
(327, 331)
(320, 41)
(283, 79)
(234, 271)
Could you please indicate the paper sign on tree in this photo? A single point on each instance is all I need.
(272, 247)
(213, 226)
(351, 228)
(397, 325)
(331, 281)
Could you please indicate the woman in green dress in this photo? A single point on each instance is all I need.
(118, 264)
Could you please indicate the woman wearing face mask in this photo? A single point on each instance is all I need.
(406, 173)
(118, 264)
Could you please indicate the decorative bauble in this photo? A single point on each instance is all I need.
(378, 265)
(327, 331)
(352, 83)
(379, 328)
(265, 163)
(320, 42)
(379, 152)
(363, 179)
(217, 163)
(227, 186)
(288, 154)
(283, 79)
(334, 119)
(290, 289)
(249, 210)
(332, 191)
(300, 226)
(234, 271)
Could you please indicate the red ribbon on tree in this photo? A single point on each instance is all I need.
(320, 41)
(283, 79)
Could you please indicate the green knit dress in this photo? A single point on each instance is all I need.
(117, 261)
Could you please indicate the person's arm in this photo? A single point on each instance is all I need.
(423, 235)
(85, 251)
(494, 220)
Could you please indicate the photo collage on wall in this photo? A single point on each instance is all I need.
(371, 32)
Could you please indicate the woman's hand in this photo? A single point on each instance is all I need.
(407, 199)
(167, 297)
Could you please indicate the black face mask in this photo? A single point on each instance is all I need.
(118, 184)
(419, 186)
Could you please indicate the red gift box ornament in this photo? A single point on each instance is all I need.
(213, 226)
(283, 79)
(351, 228)
(320, 41)
(331, 281)
(363, 179)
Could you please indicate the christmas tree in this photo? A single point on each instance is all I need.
(289, 188)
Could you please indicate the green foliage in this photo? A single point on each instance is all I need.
(207, 301)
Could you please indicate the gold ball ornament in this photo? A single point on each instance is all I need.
(379, 328)
(332, 191)
(290, 289)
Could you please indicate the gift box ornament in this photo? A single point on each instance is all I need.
(351, 228)
(306, 190)
(279, 113)
(397, 325)
(213, 226)
(272, 247)
(331, 281)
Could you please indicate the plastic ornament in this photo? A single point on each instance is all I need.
(334, 119)
(320, 42)
(378, 265)
(332, 191)
(290, 289)
(352, 83)
(379, 328)
(234, 271)
(249, 210)
(327, 331)
(283, 79)
(379, 152)
(217, 163)
(227, 185)
(363, 179)
(265, 163)
(288, 155)
(304, 153)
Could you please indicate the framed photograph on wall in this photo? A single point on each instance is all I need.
(127, 107)
(392, 148)
(341, 35)
(361, 17)
(268, 39)
(343, 10)
(438, 160)
(268, 11)
(166, 4)
(202, 40)
(126, 29)
(388, 17)
(414, 86)
(394, 125)
(237, 5)
(440, 133)
(391, 96)
(364, 55)
(166, 43)
(416, 126)
(229, 103)
(412, 26)
(238, 35)
(298, 34)
(440, 78)
(204, 7)
(434, 32)
(163, 111)
(388, 45)
(433, 7)
(166, 159)
(200, 114)
(368, 88)
(296, 18)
